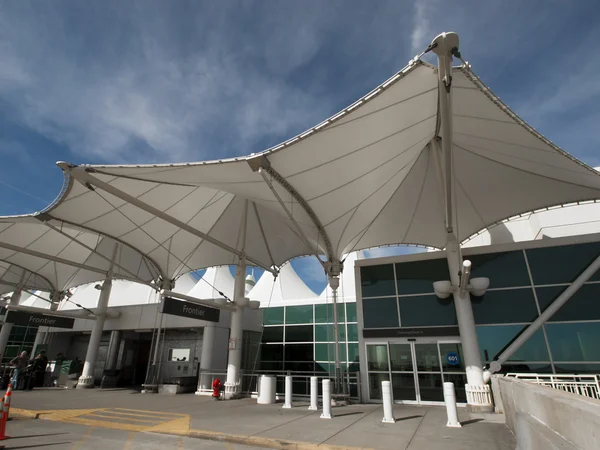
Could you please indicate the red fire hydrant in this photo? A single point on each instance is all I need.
(216, 389)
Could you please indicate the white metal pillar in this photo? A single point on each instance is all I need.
(233, 382)
(334, 284)
(42, 332)
(15, 298)
(478, 393)
(206, 357)
(113, 349)
(86, 380)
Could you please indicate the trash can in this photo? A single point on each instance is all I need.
(266, 390)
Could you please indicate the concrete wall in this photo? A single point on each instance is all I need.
(546, 419)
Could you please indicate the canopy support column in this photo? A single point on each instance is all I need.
(15, 298)
(234, 361)
(113, 349)
(87, 376)
(206, 357)
(334, 270)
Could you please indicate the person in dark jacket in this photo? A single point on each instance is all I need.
(39, 368)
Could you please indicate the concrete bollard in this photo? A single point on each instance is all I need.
(388, 401)
(288, 392)
(450, 399)
(314, 394)
(326, 400)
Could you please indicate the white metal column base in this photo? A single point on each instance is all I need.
(232, 391)
(388, 420)
(452, 425)
(85, 383)
(313, 408)
(479, 398)
(325, 416)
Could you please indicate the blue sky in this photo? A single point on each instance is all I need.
(113, 81)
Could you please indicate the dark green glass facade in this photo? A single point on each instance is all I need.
(523, 283)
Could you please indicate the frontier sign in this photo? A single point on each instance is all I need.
(190, 310)
(38, 320)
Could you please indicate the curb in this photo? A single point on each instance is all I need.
(259, 441)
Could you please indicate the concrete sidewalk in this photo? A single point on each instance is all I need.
(269, 426)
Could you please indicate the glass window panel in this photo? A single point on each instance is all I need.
(506, 269)
(401, 358)
(266, 365)
(299, 333)
(273, 316)
(428, 359)
(574, 341)
(403, 386)
(430, 387)
(299, 352)
(299, 367)
(452, 357)
(301, 386)
(272, 352)
(510, 306)
(577, 368)
(513, 367)
(324, 333)
(375, 380)
(377, 357)
(324, 313)
(380, 313)
(325, 352)
(272, 334)
(417, 277)
(493, 339)
(324, 367)
(426, 310)
(351, 312)
(352, 332)
(299, 314)
(179, 354)
(459, 380)
(377, 281)
(548, 264)
(583, 305)
(353, 353)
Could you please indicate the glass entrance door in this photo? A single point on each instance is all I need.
(417, 370)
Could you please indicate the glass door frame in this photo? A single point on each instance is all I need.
(415, 371)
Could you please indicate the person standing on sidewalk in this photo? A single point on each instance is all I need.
(19, 364)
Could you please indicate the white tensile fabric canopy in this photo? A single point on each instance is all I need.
(57, 257)
(288, 286)
(370, 175)
(214, 281)
(13, 277)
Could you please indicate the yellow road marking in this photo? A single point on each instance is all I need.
(229, 446)
(150, 416)
(107, 415)
(83, 439)
(142, 411)
(129, 441)
(179, 442)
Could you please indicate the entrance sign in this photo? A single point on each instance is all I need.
(38, 320)
(190, 310)
(411, 332)
(453, 359)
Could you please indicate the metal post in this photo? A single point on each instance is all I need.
(232, 384)
(386, 393)
(326, 400)
(15, 298)
(450, 399)
(288, 392)
(314, 394)
(113, 349)
(87, 376)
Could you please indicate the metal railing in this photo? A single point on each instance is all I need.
(586, 385)
(300, 383)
